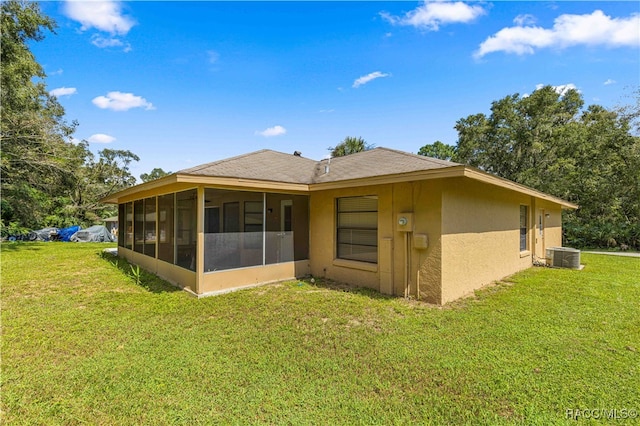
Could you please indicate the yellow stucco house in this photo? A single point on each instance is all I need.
(398, 223)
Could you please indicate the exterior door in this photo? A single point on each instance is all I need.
(540, 243)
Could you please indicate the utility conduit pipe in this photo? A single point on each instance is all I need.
(406, 265)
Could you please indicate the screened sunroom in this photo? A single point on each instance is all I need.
(211, 239)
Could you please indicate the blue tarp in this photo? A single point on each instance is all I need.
(66, 233)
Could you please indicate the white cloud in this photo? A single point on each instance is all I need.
(525, 19)
(63, 91)
(104, 42)
(595, 29)
(369, 77)
(272, 131)
(609, 81)
(119, 101)
(59, 71)
(431, 14)
(102, 15)
(101, 138)
(561, 89)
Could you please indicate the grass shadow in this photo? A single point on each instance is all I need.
(346, 288)
(20, 246)
(150, 282)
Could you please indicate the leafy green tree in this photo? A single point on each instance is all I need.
(521, 136)
(154, 174)
(350, 145)
(548, 142)
(438, 150)
(631, 111)
(97, 179)
(46, 179)
(36, 160)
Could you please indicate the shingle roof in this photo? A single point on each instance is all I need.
(260, 165)
(280, 168)
(375, 162)
(275, 166)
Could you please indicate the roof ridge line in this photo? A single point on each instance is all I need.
(224, 160)
(421, 157)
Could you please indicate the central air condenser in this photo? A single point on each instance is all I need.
(563, 257)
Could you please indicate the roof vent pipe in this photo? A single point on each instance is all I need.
(326, 167)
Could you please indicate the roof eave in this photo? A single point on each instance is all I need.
(262, 185)
(481, 176)
(217, 181)
(166, 180)
(444, 172)
(244, 183)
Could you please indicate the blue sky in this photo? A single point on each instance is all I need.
(185, 83)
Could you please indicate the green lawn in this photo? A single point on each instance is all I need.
(84, 343)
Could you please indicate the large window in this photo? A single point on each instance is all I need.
(253, 219)
(357, 228)
(524, 241)
(253, 216)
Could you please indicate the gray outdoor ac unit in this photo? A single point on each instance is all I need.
(563, 257)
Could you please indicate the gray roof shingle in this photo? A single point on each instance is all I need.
(268, 165)
(375, 162)
(259, 165)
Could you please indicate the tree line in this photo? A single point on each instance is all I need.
(547, 140)
(47, 180)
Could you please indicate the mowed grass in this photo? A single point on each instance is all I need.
(84, 343)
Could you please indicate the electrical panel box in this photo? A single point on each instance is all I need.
(404, 222)
(420, 241)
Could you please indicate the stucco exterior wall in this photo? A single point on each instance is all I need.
(322, 236)
(472, 229)
(245, 277)
(422, 266)
(480, 236)
(423, 199)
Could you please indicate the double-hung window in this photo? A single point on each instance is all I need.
(357, 228)
(524, 244)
